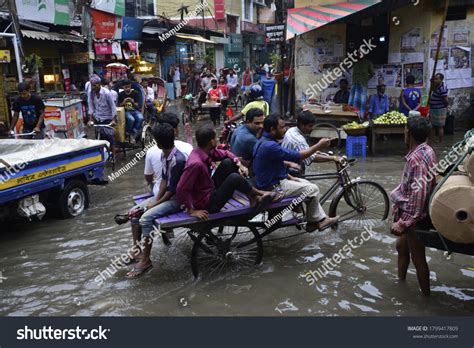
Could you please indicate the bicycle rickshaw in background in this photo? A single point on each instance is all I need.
(233, 238)
(160, 103)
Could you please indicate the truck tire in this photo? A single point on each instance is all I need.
(74, 199)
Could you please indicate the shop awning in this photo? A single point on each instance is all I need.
(195, 38)
(39, 35)
(302, 20)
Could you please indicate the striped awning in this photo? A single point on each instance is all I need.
(302, 20)
(39, 35)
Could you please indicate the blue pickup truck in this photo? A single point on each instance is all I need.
(38, 175)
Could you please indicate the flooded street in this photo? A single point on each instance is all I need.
(49, 267)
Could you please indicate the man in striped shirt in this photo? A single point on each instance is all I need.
(438, 106)
(410, 201)
(295, 140)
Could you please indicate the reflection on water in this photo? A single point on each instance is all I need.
(50, 267)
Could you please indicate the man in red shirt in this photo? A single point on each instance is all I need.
(410, 201)
(214, 95)
(202, 194)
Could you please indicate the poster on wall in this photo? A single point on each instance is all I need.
(410, 39)
(435, 37)
(389, 75)
(116, 7)
(460, 57)
(443, 57)
(416, 70)
(456, 67)
(461, 36)
(46, 11)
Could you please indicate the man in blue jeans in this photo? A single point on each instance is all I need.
(130, 100)
(164, 203)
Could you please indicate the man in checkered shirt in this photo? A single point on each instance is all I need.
(410, 201)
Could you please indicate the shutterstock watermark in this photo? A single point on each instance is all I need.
(289, 208)
(121, 261)
(172, 32)
(321, 272)
(448, 160)
(331, 76)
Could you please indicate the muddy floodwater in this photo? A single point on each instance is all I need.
(48, 267)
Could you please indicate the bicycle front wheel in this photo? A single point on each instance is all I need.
(361, 204)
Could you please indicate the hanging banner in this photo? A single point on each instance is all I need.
(116, 7)
(117, 50)
(149, 57)
(46, 11)
(107, 26)
(132, 28)
(133, 45)
(103, 48)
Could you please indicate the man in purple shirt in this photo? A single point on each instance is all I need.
(202, 194)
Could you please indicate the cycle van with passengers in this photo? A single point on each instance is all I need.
(53, 175)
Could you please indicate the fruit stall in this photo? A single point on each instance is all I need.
(392, 122)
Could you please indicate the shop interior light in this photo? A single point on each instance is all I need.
(382, 39)
(192, 58)
(49, 79)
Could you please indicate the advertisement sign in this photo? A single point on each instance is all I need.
(5, 56)
(103, 48)
(67, 80)
(275, 33)
(132, 28)
(46, 11)
(149, 57)
(76, 58)
(116, 7)
(219, 9)
(236, 43)
(107, 26)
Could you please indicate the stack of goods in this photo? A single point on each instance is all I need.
(354, 128)
(452, 208)
(391, 118)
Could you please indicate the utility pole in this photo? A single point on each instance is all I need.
(87, 32)
(17, 42)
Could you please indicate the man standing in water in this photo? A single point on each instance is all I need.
(410, 201)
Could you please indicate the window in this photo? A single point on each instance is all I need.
(456, 13)
(247, 10)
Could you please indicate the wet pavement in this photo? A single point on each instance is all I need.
(48, 267)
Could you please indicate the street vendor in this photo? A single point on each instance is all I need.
(342, 96)
(379, 103)
(32, 111)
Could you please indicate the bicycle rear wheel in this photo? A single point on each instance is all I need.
(362, 204)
